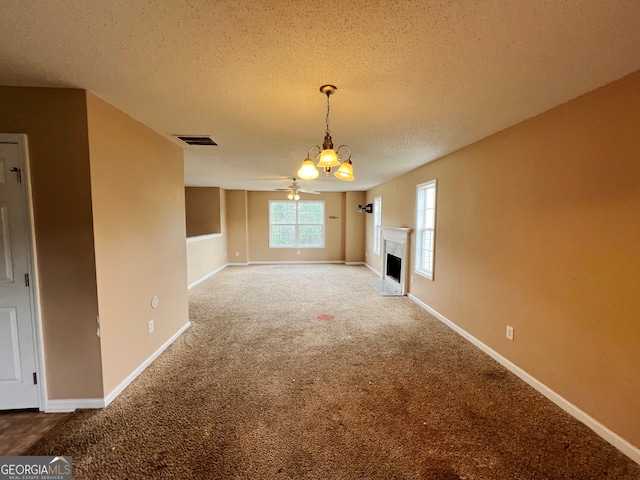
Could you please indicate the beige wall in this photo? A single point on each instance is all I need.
(246, 232)
(538, 228)
(398, 210)
(202, 206)
(258, 227)
(354, 237)
(206, 254)
(55, 122)
(137, 186)
(237, 233)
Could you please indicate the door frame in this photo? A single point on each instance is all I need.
(34, 294)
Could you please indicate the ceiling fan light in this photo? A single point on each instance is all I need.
(290, 196)
(296, 197)
(345, 172)
(328, 158)
(308, 170)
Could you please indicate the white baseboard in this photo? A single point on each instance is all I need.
(71, 404)
(125, 383)
(373, 270)
(613, 438)
(211, 274)
(293, 262)
(276, 262)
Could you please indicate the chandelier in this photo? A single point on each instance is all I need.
(327, 157)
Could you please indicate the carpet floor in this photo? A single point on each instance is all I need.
(305, 372)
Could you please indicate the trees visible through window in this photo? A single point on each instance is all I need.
(296, 224)
(425, 228)
(377, 224)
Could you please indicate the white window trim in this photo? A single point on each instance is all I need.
(298, 246)
(377, 228)
(418, 243)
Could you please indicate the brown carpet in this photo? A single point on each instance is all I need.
(266, 385)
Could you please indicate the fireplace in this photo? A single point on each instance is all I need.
(395, 258)
(393, 267)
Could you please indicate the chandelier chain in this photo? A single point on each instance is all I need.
(328, 132)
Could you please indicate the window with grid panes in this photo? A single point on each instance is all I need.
(296, 224)
(377, 224)
(425, 228)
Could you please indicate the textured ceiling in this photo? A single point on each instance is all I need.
(416, 79)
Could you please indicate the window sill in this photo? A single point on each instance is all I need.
(424, 274)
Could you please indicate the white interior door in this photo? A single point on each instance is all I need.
(18, 363)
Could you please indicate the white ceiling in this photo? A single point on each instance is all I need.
(416, 79)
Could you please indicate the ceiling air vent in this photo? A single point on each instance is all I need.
(196, 139)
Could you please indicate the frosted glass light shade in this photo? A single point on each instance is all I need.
(345, 172)
(328, 158)
(308, 170)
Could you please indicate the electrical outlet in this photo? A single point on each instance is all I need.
(509, 332)
(298, 252)
(150, 326)
(411, 278)
(237, 254)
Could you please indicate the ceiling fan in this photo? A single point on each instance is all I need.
(294, 190)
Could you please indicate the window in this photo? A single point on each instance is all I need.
(425, 228)
(296, 224)
(377, 225)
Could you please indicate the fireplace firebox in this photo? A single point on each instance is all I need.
(394, 267)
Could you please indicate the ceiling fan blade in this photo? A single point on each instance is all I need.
(295, 189)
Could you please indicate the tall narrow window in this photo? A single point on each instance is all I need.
(425, 228)
(377, 224)
(296, 224)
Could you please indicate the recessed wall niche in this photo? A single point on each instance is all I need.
(202, 205)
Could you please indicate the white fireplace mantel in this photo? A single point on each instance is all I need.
(401, 237)
(396, 234)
